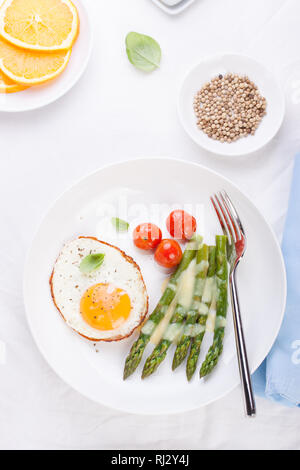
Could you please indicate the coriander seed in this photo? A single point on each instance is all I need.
(229, 107)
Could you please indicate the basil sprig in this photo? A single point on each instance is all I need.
(91, 263)
(119, 224)
(143, 51)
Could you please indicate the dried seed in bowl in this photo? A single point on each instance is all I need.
(229, 107)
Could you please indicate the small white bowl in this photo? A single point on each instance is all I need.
(173, 7)
(242, 65)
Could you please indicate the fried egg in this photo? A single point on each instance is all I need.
(107, 304)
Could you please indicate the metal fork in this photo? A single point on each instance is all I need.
(232, 227)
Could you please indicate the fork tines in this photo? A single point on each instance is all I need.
(228, 216)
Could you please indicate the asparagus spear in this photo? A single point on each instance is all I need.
(160, 351)
(173, 330)
(192, 360)
(137, 350)
(216, 349)
(192, 316)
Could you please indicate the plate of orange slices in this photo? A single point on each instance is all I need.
(45, 46)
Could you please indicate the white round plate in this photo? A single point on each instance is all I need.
(42, 95)
(146, 190)
(209, 68)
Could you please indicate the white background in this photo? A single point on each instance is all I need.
(112, 114)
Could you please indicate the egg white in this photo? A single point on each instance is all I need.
(68, 284)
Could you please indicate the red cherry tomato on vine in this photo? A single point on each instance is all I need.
(168, 253)
(181, 225)
(147, 236)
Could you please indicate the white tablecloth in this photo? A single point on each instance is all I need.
(115, 113)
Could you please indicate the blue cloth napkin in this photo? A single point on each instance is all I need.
(278, 378)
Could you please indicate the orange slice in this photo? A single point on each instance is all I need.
(31, 67)
(9, 86)
(43, 25)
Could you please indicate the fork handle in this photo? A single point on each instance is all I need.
(241, 350)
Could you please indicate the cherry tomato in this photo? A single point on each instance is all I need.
(147, 236)
(168, 253)
(181, 225)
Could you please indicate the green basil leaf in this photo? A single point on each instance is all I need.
(91, 262)
(119, 224)
(143, 51)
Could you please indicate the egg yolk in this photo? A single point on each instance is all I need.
(105, 307)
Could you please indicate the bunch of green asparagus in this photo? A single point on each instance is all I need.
(198, 292)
